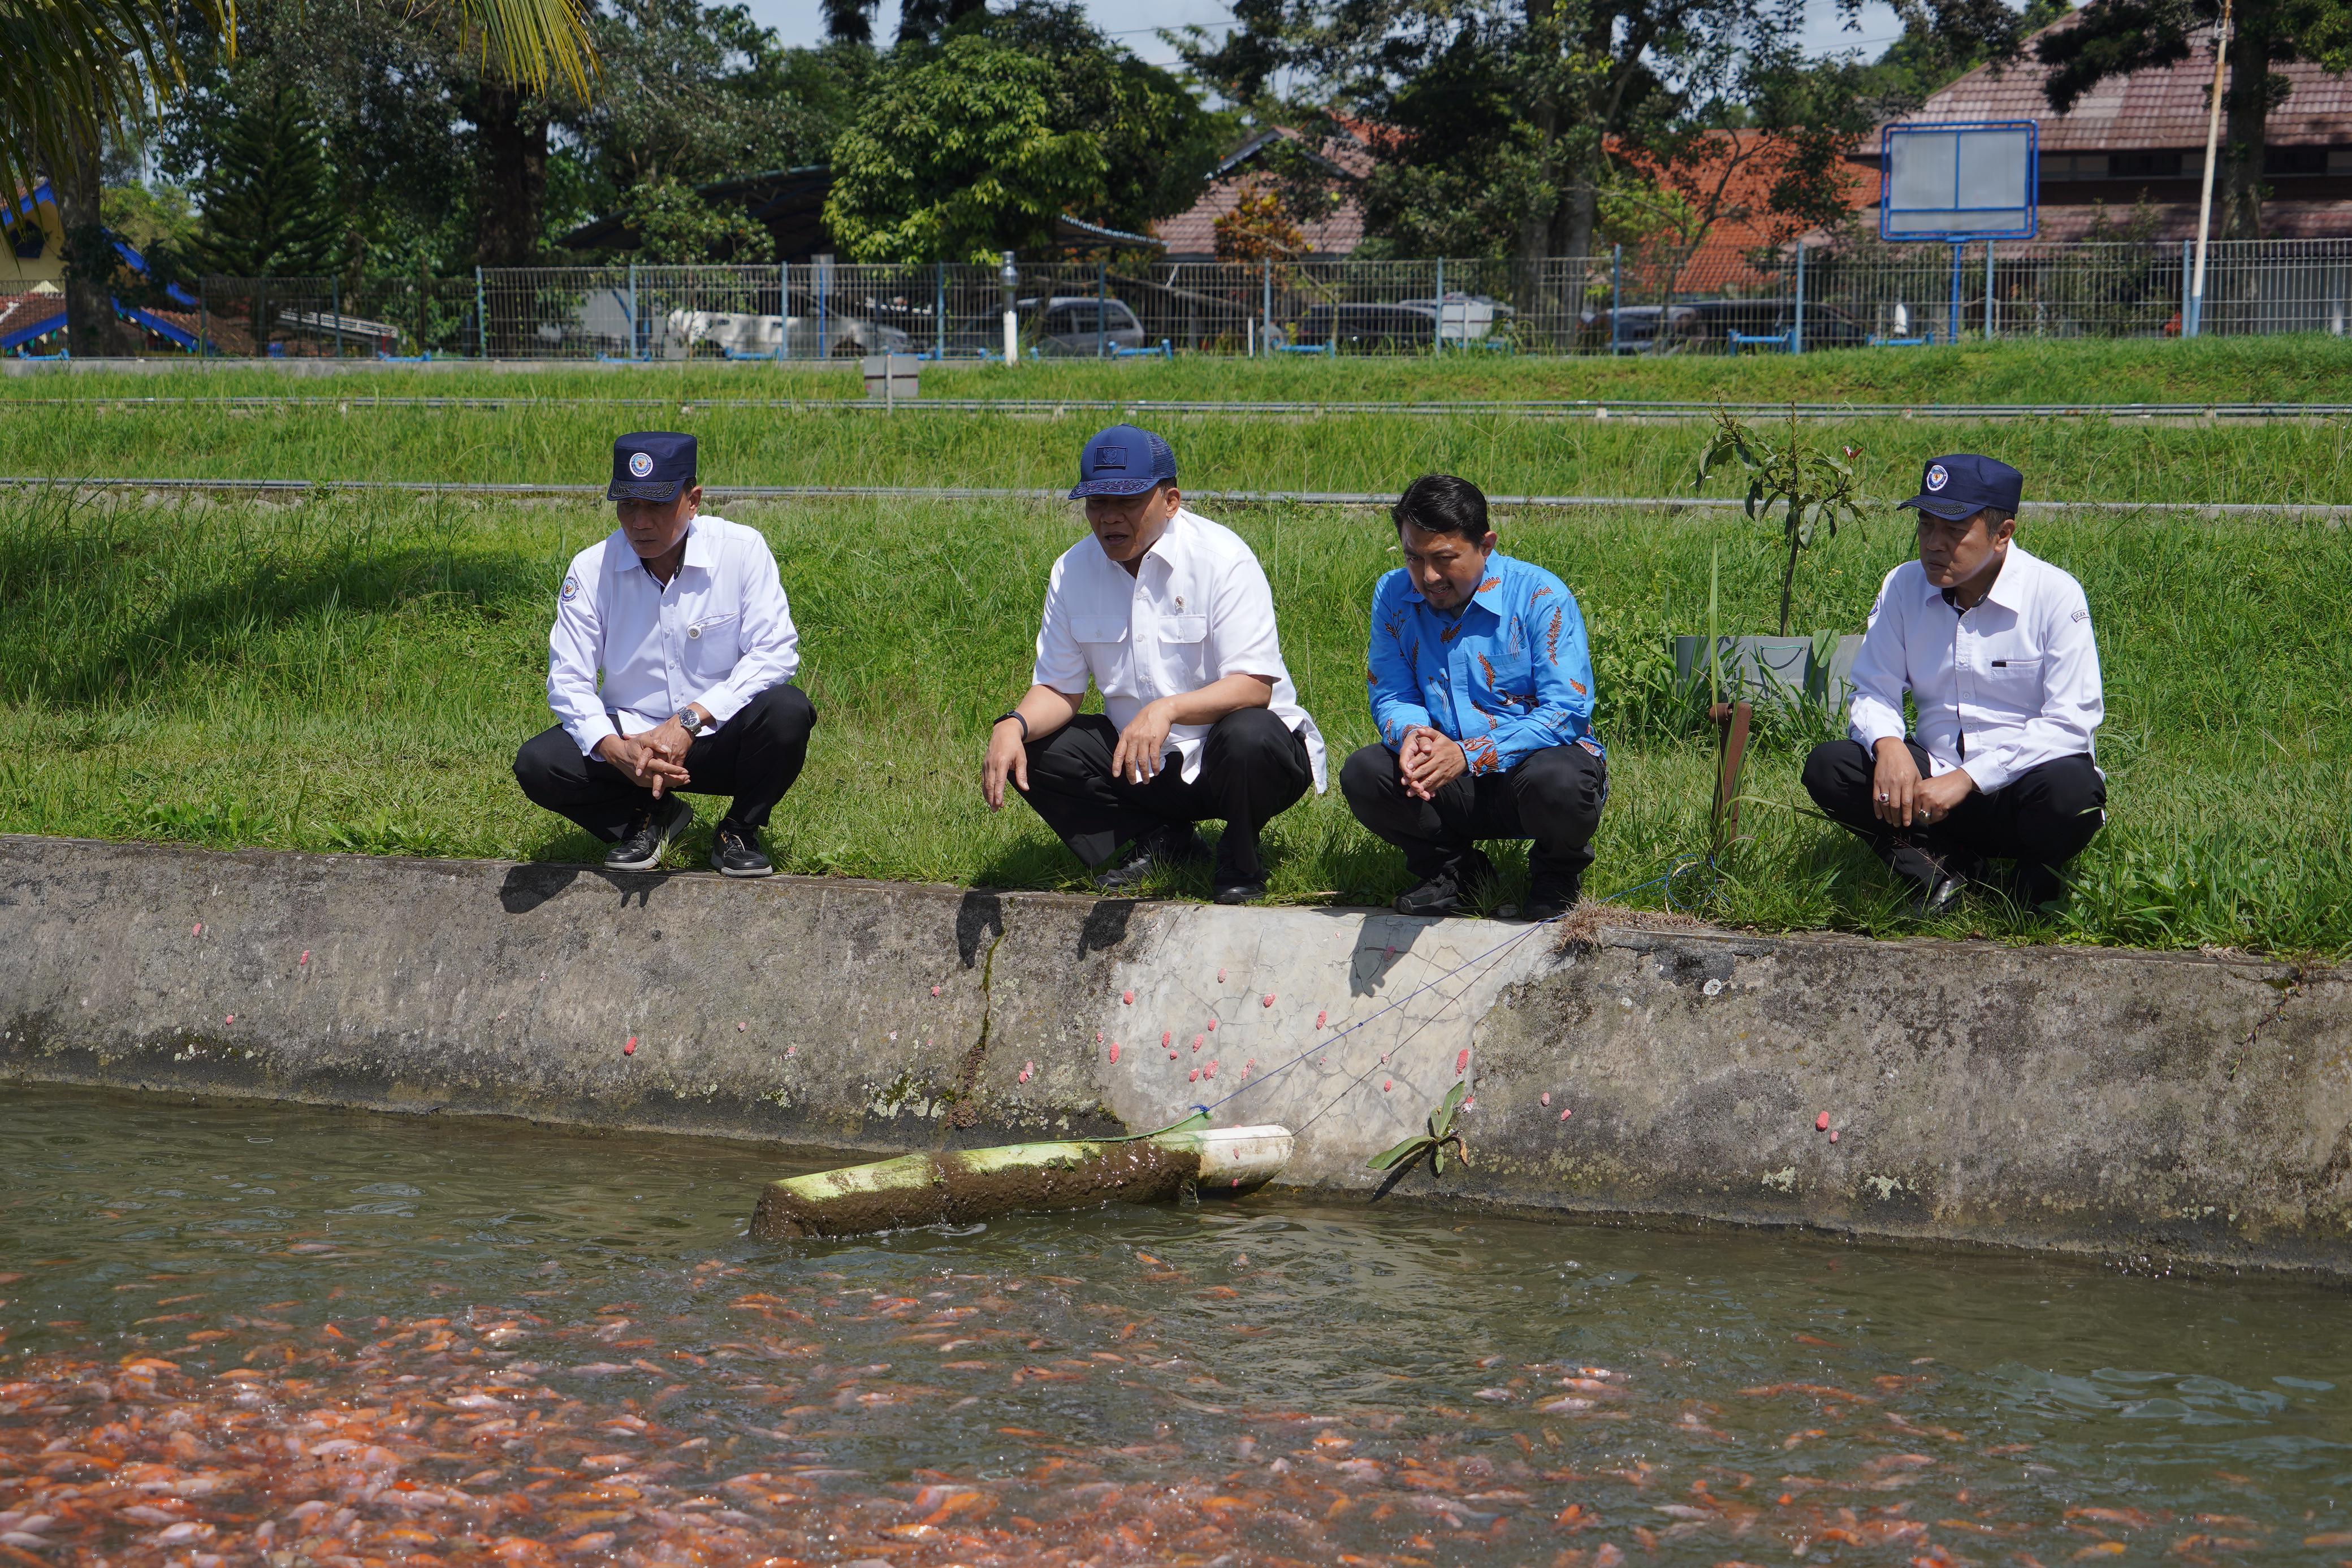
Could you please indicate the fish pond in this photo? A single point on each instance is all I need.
(256, 1334)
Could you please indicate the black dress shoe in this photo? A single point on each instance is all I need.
(1171, 845)
(654, 830)
(735, 852)
(1240, 892)
(1449, 891)
(1550, 895)
(1936, 897)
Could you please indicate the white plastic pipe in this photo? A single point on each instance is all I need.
(2189, 328)
(1239, 1158)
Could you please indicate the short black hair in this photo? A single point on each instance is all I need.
(1441, 504)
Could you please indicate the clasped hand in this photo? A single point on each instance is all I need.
(1429, 761)
(654, 760)
(1900, 796)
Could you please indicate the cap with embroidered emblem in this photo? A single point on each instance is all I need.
(1962, 483)
(651, 466)
(1125, 460)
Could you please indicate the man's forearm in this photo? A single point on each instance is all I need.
(1043, 710)
(1219, 698)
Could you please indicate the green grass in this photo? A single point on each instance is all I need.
(2286, 368)
(354, 673)
(2124, 460)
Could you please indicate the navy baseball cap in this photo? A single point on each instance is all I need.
(1125, 460)
(1963, 484)
(651, 466)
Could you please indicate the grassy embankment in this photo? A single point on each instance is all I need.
(2283, 368)
(354, 673)
(559, 425)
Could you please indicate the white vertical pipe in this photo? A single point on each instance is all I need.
(2212, 155)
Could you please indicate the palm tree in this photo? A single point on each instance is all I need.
(83, 70)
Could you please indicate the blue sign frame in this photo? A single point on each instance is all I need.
(1959, 231)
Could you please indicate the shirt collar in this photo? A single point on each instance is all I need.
(701, 546)
(1173, 548)
(2009, 588)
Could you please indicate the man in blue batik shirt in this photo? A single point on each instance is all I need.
(1482, 688)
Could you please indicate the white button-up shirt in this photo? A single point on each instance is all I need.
(719, 635)
(2005, 686)
(1196, 611)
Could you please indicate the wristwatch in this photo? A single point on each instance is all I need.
(690, 719)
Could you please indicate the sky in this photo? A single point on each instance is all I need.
(1138, 23)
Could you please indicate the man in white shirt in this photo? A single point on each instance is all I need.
(1171, 617)
(686, 618)
(1995, 648)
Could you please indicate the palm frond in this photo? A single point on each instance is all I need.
(80, 69)
(530, 43)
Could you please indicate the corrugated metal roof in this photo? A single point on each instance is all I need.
(2148, 108)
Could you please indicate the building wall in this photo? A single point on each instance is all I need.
(20, 273)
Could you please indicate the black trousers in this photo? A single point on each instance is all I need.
(754, 756)
(1252, 769)
(2041, 819)
(1553, 797)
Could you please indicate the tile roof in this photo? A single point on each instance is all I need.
(1192, 234)
(2163, 107)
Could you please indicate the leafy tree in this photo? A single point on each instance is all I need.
(1508, 113)
(1258, 228)
(957, 157)
(674, 226)
(268, 198)
(2115, 38)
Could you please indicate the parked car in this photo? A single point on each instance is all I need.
(1367, 329)
(1704, 326)
(677, 334)
(1078, 325)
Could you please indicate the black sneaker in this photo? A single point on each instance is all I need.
(1165, 846)
(735, 852)
(1551, 894)
(1449, 889)
(654, 830)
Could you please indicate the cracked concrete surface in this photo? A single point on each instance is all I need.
(2172, 1110)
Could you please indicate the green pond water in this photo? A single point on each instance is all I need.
(244, 1333)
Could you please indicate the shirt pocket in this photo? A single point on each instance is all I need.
(714, 645)
(1097, 630)
(2014, 683)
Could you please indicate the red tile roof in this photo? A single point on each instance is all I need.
(2164, 107)
(1192, 234)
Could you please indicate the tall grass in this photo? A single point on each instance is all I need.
(354, 673)
(2287, 368)
(2065, 459)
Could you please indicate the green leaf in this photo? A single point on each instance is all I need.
(1437, 1161)
(1399, 1154)
(1441, 1121)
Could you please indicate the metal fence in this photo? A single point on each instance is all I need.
(1627, 300)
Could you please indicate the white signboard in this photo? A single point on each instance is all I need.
(1959, 182)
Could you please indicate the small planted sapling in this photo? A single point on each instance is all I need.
(1433, 1143)
(1813, 486)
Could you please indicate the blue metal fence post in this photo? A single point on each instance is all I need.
(1266, 328)
(481, 317)
(1616, 277)
(1952, 321)
(940, 316)
(2187, 302)
(633, 311)
(1797, 330)
(1102, 307)
(335, 294)
(1437, 341)
(783, 308)
(823, 290)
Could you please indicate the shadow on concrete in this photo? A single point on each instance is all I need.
(526, 886)
(1105, 925)
(1383, 941)
(979, 912)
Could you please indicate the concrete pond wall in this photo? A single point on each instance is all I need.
(2167, 1110)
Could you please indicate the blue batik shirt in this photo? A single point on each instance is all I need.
(1507, 677)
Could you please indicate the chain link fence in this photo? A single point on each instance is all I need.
(1627, 300)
